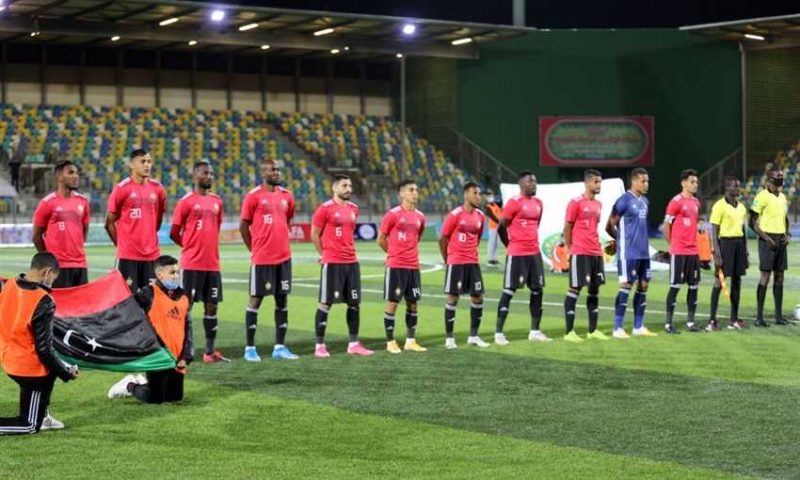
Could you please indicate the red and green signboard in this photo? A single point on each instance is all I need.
(580, 141)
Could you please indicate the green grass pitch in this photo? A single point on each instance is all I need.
(710, 405)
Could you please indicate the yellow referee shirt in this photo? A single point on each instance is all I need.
(771, 210)
(730, 219)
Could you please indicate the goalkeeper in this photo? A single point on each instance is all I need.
(628, 225)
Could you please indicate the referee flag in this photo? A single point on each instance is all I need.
(100, 325)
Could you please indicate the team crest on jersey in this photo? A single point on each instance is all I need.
(80, 208)
(216, 208)
(58, 209)
(152, 197)
(133, 195)
(197, 206)
(462, 222)
(353, 216)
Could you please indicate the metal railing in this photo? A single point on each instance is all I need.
(476, 161)
(712, 181)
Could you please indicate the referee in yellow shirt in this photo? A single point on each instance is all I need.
(768, 218)
(728, 216)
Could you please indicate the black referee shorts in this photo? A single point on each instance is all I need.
(586, 271)
(137, 273)
(202, 286)
(772, 259)
(684, 269)
(71, 277)
(734, 256)
(524, 270)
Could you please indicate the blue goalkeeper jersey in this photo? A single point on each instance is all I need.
(632, 243)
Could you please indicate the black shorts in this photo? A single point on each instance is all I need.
(772, 260)
(202, 285)
(734, 256)
(271, 279)
(524, 270)
(340, 283)
(71, 277)
(684, 269)
(399, 283)
(138, 273)
(464, 278)
(586, 271)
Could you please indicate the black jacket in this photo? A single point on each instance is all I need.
(42, 325)
(144, 297)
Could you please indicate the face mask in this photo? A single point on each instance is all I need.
(171, 284)
(490, 199)
(778, 182)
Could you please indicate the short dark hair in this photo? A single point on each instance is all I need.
(138, 152)
(731, 178)
(166, 261)
(469, 185)
(591, 173)
(774, 168)
(201, 164)
(405, 183)
(43, 260)
(60, 166)
(339, 177)
(268, 160)
(689, 172)
(524, 174)
(638, 172)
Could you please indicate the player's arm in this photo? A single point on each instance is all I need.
(568, 234)
(502, 230)
(38, 238)
(244, 229)
(443, 241)
(111, 227)
(316, 238)
(612, 224)
(756, 228)
(382, 242)
(87, 217)
(668, 229)
(162, 207)
(717, 250)
(42, 326)
(175, 234)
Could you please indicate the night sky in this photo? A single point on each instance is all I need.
(555, 13)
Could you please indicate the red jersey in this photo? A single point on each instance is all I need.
(337, 223)
(403, 229)
(523, 215)
(465, 230)
(682, 212)
(199, 218)
(269, 214)
(64, 220)
(584, 215)
(139, 209)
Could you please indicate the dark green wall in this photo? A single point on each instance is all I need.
(691, 86)
(773, 102)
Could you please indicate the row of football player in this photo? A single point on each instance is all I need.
(138, 203)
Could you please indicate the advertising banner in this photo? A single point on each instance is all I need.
(585, 142)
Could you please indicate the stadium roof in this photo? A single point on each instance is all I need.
(147, 24)
(755, 33)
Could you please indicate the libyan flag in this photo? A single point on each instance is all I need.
(100, 325)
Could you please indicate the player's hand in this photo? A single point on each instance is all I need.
(717, 261)
(181, 364)
(611, 248)
(785, 240)
(74, 371)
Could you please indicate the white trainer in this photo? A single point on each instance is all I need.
(620, 333)
(538, 336)
(500, 339)
(141, 379)
(477, 341)
(450, 343)
(50, 423)
(120, 389)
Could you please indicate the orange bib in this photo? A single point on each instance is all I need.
(168, 317)
(17, 345)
